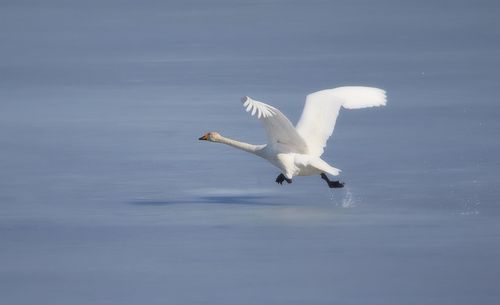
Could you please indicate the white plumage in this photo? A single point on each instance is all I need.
(297, 150)
(281, 135)
(322, 108)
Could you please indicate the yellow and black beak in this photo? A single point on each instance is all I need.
(203, 138)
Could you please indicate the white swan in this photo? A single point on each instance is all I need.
(297, 150)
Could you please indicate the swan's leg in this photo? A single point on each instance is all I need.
(332, 184)
(282, 178)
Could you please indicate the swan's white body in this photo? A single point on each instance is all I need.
(297, 150)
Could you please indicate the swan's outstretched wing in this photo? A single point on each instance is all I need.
(281, 134)
(322, 108)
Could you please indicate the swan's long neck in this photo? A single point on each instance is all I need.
(254, 149)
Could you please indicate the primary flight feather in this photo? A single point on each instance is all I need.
(297, 150)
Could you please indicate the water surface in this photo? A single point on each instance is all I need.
(107, 196)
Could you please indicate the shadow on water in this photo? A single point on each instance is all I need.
(219, 199)
(237, 199)
(157, 202)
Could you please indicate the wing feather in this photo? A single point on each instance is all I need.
(322, 108)
(281, 134)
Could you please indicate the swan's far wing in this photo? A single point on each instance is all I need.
(281, 134)
(322, 108)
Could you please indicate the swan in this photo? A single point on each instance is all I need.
(297, 151)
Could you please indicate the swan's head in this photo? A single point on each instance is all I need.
(211, 136)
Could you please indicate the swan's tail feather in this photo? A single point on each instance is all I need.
(325, 167)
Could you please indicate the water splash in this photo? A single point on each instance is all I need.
(470, 208)
(471, 205)
(347, 201)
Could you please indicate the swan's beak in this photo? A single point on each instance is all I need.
(203, 138)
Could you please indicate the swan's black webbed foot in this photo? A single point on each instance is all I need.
(332, 184)
(336, 184)
(282, 178)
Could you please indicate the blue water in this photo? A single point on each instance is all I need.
(107, 196)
